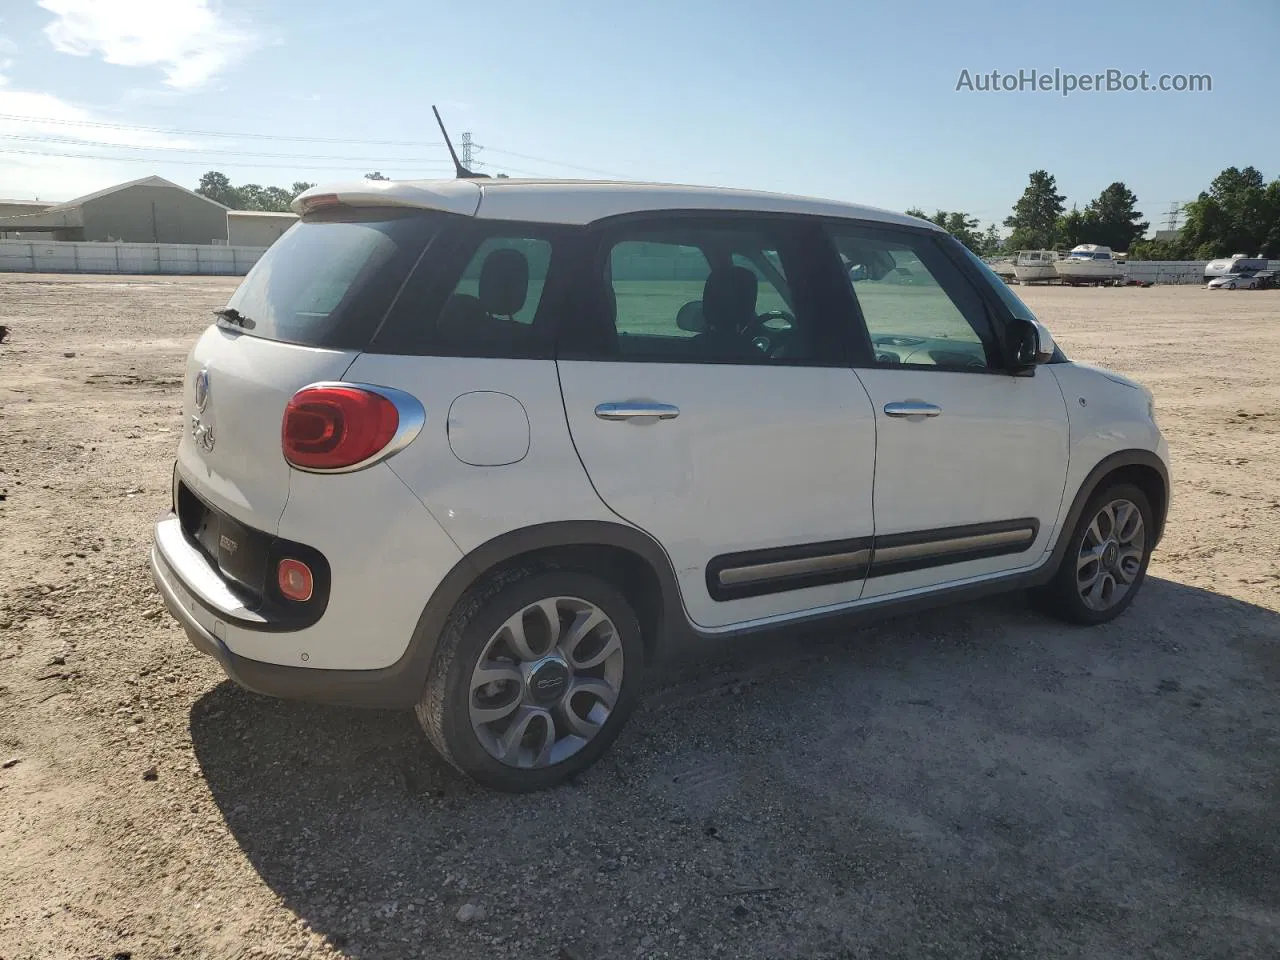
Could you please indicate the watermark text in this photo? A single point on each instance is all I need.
(1064, 83)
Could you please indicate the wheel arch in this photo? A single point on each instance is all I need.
(1143, 468)
(629, 558)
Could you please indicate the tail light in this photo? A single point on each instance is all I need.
(295, 580)
(319, 201)
(340, 427)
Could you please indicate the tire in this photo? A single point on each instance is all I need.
(1062, 596)
(478, 627)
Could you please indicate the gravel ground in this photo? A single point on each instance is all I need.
(975, 782)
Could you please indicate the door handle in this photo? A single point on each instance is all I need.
(911, 408)
(637, 411)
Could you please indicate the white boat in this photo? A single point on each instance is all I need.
(1003, 268)
(1089, 263)
(1035, 266)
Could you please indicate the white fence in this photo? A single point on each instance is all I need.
(1174, 271)
(190, 259)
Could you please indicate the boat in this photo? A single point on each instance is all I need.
(1035, 266)
(1002, 267)
(1089, 263)
(1238, 263)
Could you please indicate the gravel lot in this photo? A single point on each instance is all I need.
(976, 782)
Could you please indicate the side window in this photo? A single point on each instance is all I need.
(919, 310)
(474, 295)
(704, 293)
(505, 277)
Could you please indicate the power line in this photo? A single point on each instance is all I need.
(349, 168)
(174, 131)
(557, 163)
(210, 152)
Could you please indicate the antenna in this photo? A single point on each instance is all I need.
(463, 172)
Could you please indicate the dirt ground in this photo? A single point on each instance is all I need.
(975, 782)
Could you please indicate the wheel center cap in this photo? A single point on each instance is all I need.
(1110, 554)
(547, 682)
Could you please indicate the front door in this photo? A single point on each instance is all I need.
(971, 461)
(708, 395)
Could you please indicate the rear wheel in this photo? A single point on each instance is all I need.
(1106, 559)
(534, 677)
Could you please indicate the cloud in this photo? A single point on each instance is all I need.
(187, 39)
(55, 153)
(53, 117)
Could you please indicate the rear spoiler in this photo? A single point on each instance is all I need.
(447, 196)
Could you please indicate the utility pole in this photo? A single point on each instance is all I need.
(469, 150)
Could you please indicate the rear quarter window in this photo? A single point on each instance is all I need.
(329, 280)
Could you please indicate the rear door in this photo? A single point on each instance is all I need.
(709, 397)
(971, 461)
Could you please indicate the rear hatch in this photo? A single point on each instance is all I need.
(302, 315)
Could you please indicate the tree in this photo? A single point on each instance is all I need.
(1240, 213)
(375, 176)
(218, 188)
(991, 242)
(1035, 216)
(1112, 219)
(1074, 228)
(960, 225)
(251, 196)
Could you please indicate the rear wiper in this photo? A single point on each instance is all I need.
(232, 315)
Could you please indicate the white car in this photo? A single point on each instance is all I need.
(1234, 281)
(489, 448)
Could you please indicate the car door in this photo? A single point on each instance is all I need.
(711, 402)
(971, 460)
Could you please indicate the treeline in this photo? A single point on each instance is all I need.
(252, 196)
(1239, 213)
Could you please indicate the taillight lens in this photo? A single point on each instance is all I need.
(329, 428)
(295, 580)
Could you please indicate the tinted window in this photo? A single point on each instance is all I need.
(1001, 289)
(478, 292)
(919, 310)
(329, 282)
(699, 292)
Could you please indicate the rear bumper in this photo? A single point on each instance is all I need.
(194, 601)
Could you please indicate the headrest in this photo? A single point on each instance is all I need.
(729, 298)
(504, 282)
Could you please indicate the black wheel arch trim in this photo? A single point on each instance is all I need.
(1093, 481)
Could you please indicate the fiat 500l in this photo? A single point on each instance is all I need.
(486, 449)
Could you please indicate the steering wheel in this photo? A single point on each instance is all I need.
(771, 341)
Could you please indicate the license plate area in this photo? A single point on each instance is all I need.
(239, 552)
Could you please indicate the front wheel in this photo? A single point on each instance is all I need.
(1106, 558)
(534, 677)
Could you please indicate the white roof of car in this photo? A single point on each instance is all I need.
(579, 201)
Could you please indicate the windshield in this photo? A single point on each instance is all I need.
(328, 282)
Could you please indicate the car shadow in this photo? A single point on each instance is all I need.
(973, 781)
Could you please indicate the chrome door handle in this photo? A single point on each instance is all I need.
(911, 408)
(637, 411)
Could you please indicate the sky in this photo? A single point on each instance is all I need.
(851, 100)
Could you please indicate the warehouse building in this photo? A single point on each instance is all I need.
(19, 208)
(257, 228)
(150, 210)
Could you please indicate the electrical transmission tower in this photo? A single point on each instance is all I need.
(469, 150)
(1171, 218)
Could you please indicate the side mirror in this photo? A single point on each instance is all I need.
(1030, 344)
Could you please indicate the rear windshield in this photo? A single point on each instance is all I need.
(329, 280)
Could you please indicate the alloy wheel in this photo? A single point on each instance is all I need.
(1111, 555)
(546, 682)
